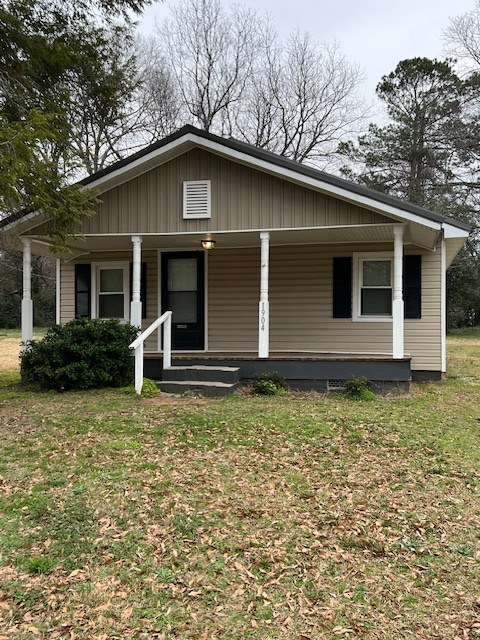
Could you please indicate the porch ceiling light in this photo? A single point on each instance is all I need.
(208, 244)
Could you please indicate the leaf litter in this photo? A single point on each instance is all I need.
(301, 517)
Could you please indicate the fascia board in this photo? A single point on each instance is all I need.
(450, 231)
(136, 164)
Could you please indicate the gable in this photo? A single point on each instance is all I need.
(242, 198)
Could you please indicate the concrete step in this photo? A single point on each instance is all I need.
(197, 387)
(201, 373)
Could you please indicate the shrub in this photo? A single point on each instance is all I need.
(359, 389)
(269, 384)
(149, 388)
(82, 354)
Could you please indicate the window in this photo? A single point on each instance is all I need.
(368, 295)
(111, 299)
(373, 276)
(196, 199)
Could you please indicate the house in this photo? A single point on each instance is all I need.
(266, 264)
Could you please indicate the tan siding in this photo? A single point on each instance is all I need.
(423, 336)
(233, 290)
(242, 198)
(67, 286)
(67, 292)
(301, 305)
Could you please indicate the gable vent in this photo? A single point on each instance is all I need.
(196, 199)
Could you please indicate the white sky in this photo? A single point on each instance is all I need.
(376, 34)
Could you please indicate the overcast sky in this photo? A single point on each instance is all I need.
(376, 34)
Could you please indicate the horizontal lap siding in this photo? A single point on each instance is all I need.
(67, 287)
(423, 336)
(67, 292)
(300, 293)
(233, 295)
(301, 305)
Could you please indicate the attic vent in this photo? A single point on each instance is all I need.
(196, 199)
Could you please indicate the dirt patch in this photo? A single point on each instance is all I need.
(172, 399)
(9, 350)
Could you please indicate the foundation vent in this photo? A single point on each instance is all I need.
(336, 385)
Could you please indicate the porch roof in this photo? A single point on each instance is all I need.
(352, 234)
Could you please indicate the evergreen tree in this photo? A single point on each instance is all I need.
(45, 48)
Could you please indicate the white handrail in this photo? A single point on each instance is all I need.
(137, 345)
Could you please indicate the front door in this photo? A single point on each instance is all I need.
(183, 293)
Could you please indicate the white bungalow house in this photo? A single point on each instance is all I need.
(265, 263)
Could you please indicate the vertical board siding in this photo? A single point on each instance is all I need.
(242, 198)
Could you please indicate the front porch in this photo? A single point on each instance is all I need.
(308, 371)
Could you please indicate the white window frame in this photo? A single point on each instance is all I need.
(96, 268)
(195, 216)
(358, 260)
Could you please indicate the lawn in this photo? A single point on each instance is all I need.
(301, 517)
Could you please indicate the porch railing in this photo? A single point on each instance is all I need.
(137, 345)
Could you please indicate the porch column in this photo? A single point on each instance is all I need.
(398, 313)
(58, 272)
(264, 314)
(27, 303)
(136, 304)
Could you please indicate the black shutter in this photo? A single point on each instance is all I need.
(143, 287)
(342, 287)
(83, 284)
(412, 286)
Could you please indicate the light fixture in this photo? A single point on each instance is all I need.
(208, 244)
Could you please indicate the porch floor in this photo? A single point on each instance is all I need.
(277, 356)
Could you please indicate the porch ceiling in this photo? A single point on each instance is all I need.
(416, 234)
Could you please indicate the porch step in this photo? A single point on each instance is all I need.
(201, 379)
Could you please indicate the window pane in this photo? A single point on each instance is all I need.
(183, 305)
(377, 273)
(111, 305)
(111, 280)
(83, 304)
(376, 302)
(182, 274)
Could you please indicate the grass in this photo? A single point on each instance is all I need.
(38, 332)
(277, 517)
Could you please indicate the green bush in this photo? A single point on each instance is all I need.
(149, 388)
(359, 389)
(269, 384)
(82, 354)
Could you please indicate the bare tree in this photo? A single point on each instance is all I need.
(303, 99)
(103, 109)
(462, 38)
(158, 98)
(210, 55)
(236, 77)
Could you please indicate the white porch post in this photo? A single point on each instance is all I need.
(57, 291)
(27, 303)
(136, 304)
(264, 314)
(398, 305)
